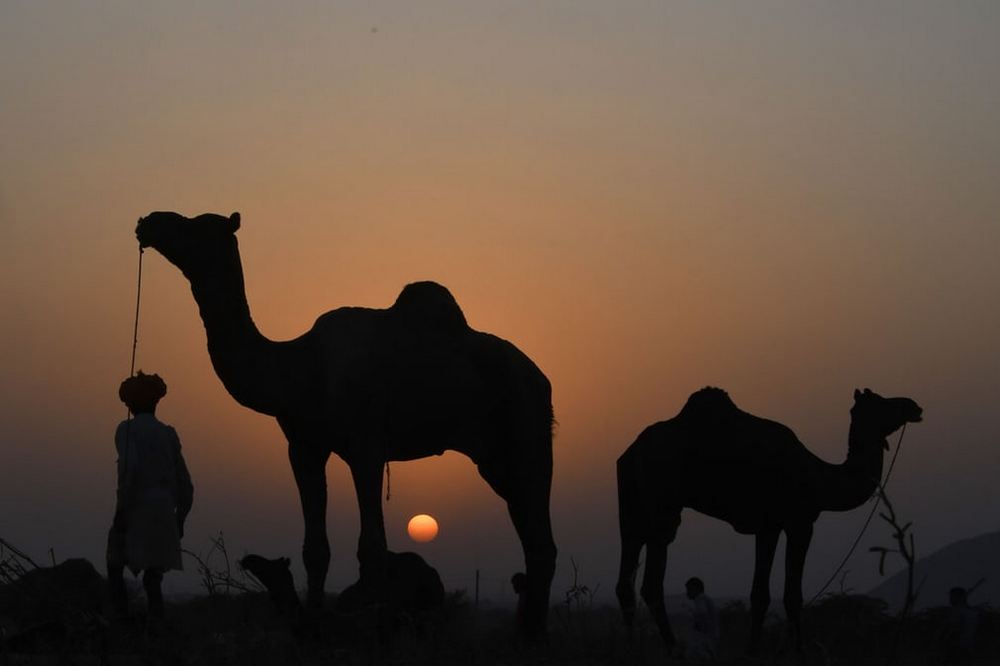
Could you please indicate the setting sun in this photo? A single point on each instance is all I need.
(422, 528)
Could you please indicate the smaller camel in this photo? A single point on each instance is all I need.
(415, 588)
(414, 591)
(752, 473)
(276, 577)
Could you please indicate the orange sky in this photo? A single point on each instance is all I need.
(786, 202)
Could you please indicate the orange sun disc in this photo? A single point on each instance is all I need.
(422, 528)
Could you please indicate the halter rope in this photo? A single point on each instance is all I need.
(131, 370)
(871, 514)
(135, 329)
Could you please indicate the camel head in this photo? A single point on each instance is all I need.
(880, 417)
(195, 245)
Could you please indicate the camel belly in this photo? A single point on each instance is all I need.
(748, 502)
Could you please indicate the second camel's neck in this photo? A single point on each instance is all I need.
(851, 484)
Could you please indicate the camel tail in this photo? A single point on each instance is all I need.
(630, 524)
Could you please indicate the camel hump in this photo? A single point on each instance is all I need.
(709, 403)
(431, 305)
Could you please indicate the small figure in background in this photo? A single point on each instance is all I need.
(519, 582)
(154, 496)
(960, 634)
(704, 621)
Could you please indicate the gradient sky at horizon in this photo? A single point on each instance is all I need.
(788, 200)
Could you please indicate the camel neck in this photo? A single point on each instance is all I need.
(222, 304)
(852, 483)
(243, 358)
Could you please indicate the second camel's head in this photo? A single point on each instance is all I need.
(878, 417)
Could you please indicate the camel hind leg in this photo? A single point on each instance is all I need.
(526, 490)
(662, 533)
(530, 515)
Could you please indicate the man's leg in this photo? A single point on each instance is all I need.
(151, 580)
(115, 560)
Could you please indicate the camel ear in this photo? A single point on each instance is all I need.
(857, 394)
(234, 222)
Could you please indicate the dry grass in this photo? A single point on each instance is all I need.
(234, 624)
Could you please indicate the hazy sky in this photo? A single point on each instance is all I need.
(788, 200)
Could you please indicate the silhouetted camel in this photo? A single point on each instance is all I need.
(750, 472)
(277, 578)
(49, 605)
(414, 586)
(375, 385)
(413, 600)
(413, 590)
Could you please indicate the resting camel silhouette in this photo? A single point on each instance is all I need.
(374, 385)
(750, 472)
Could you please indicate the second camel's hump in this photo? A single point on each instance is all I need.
(718, 430)
(710, 403)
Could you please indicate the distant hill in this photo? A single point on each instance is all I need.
(962, 563)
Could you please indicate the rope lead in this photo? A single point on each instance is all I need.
(135, 329)
(868, 521)
(135, 343)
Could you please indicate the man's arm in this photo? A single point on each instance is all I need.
(123, 493)
(185, 489)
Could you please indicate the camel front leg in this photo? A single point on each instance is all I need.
(662, 533)
(795, 560)
(309, 468)
(625, 588)
(760, 594)
(652, 588)
(371, 542)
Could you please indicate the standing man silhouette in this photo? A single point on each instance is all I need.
(704, 621)
(960, 632)
(154, 496)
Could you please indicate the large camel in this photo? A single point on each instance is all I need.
(750, 472)
(375, 385)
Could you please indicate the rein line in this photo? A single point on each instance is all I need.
(135, 329)
(871, 514)
(135, 344)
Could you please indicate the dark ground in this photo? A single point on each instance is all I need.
(242, 628)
